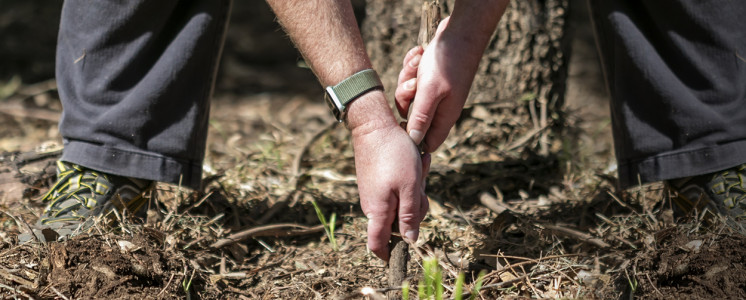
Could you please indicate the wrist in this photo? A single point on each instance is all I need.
(369, 113)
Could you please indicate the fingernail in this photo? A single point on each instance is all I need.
(415, 62)
(411, 235)
(416, 135)
(409, 84)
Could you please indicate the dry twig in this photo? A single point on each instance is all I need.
(17, 291)
(58, 293)
(15, 278)
(269, 230)
(582, 236)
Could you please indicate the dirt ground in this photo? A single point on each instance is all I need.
(540, 226)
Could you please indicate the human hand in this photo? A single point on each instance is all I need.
(390, 179)
(436, 82)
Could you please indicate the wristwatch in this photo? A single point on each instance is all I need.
(338, 97)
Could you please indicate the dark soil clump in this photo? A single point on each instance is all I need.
(687, 266)
(116, 267)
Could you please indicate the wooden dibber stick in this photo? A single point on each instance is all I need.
(399, 255)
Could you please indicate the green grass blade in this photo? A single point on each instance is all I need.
(429, 277)
(319, 214)
(328, 226)
(438, 280)
(477, 285)
(458, 290)
(330, 232)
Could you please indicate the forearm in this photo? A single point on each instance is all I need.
(473, 22)
(327, 35)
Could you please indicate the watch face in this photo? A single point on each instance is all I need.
(332, 106)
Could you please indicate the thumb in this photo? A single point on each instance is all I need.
(426, 100)
(423, 110)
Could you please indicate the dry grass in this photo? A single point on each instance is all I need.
(541, 226)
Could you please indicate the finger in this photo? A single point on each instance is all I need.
(410, 65)
(379, 233)
(423, 110)
(412, 53)
(403, 96)
(405, 88)
(436, 135)
(409, 212)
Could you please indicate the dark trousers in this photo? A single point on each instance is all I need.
(676, 71)
(135, 78)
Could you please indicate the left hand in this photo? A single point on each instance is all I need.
(437, 86)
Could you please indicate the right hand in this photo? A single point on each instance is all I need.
(390, 175)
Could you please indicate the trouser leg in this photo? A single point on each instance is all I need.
(677, 78)
(135, 78)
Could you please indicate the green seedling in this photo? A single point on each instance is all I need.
(431, 287)
(632, 280)
(187, 284)
(328, 226)
(458, 293)
(477, 285)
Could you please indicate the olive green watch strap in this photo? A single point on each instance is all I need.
(355, 85)
(340, 95)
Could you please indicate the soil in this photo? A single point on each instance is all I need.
(540, 225)
(89, 267)
(681, 265)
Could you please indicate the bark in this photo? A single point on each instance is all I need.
(524, 60)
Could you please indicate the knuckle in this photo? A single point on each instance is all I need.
(401, 95)
(419, 117)
(409, 218)
(444, 89)
(375, 215)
